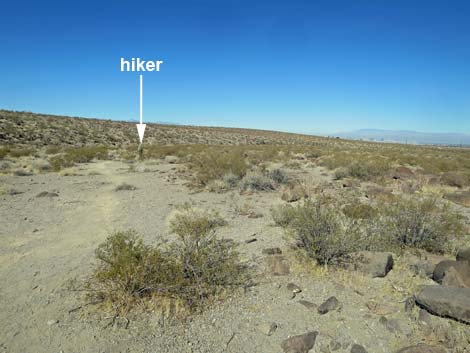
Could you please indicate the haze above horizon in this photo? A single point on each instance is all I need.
(301, 66)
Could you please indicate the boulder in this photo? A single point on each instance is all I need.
(461, 267)
(453, 278)
(425, 266)
(402, 173)
(375, 264)
(463, 255)
(422, 348)
(277, 265)
(450, 302)
(329, 305)
(299, 344)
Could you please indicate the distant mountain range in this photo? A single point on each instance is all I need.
(405, 136)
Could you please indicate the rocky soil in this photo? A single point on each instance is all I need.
(52, 222)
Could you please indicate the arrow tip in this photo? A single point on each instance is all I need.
(141, 131)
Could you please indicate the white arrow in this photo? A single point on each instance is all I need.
(141, 127)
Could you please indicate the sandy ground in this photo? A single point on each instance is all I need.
(45, 242)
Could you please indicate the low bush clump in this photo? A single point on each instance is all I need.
(3, 152)
(212, 165)
(194, 269)
(78, 155)
(21, 152)
(329, 232)
(422, 223)
(325, 233)
(256, 181)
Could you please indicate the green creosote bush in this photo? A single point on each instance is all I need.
(256, 181)
(422, 223)
(21, 152)
(78, 155)
(3, 152)
(328, 232)
(325, 233)
(278, 175)
(195, 269)
(215, 164)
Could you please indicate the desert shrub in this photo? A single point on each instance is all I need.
(456, 179)
(422, 223)
(53, 149)
(78, 155)
(359, 211)
(324, 232)
(256, 181)
(21, 152)
(86, 154)
(3, 152)
(231, 179)
(278, 175)
(187, 220)
(341, 173)
(283, 214)
(128, 270)
(194, 269)
(213, 164)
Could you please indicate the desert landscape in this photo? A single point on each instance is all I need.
(211, 239)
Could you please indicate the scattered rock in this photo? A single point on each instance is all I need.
(452, 278)
(424, 317)
(357, 348)
(272, 251)
(462, 267)
(252, 240)
(461, 198)
(329, 305)
(299, 344)
(450, 302)
(463, 255)
(422, 348)
(391, 325)
(171, 159)
(425, 266)
(402, 173)
(254, 214)
(277, 265)
(47, 194)
(293, 288)
(267, 328)
(376, 264)
(125, 187)
(307, 304)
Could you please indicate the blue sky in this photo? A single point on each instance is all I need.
(301, 66)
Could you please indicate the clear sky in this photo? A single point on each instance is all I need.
(301, 66)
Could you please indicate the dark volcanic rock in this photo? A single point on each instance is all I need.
(450, 302)
(454, 278)
(376, 264)
(443, 267)
(463, 255)
(330, 304)
(299, 344)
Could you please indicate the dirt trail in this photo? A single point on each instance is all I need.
(40, 261)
